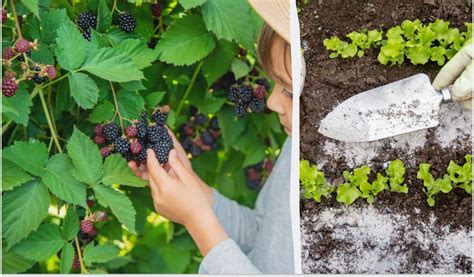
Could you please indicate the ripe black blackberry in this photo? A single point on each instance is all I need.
(241, 94)
(127, 22)
(264, 82)
(87, 34)
(141, 157)
(152, 43)
(257, 105)
(40, 80)
(214, 124)
(155, 133)
(122, 146)
(86, 20)
(161, 152)
(201, 119)
(141, 129)
(144, 116)
(111, 132)
(21, 58)
(240, 109)
(206, 137)
(160, 117)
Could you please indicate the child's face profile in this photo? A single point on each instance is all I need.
(281, 98)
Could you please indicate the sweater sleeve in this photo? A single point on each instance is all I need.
(227, 258)
(239, 222)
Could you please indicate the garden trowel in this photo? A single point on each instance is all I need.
(400, 107)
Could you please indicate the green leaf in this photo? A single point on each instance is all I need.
(130, 103)
(240, 68)
(102, 112)
(186, 42)
(41, 244)
(104, 16)
(347, 194)
(32, 5)
(30, 156)
(333, 43)
(419, 55)
(110, 64)
(431, 202)
(424, 174)
(230, 126)
(212, 104)
(189, 4)
(67, 258)
(19, 107)
(120, 205)
(59, 180)
(218, 62)
(138, 52)
(153, 99)
(86, 158)
(70, 46)
(13, 176)
(232, 28)
(50, 23)
(99, 253)
(70, 224)
(83, 89)
(23, 210)
(14, 263)
(117, 171)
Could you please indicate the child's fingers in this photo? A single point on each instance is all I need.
(133, 166)
(156, 172)
(179, 148)
(178, 167)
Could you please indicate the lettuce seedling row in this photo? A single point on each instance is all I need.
(399, 232)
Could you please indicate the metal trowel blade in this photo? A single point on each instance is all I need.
(400, 107)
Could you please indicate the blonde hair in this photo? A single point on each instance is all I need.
(267, 61)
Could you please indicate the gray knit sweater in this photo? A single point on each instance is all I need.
(260, 240)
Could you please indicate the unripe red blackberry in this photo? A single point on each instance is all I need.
(131, 131)
(156, 9)
(135, 147)
(99, 129)
(260, 92)
(188, 130)
(76, 264)
(9, 86)
(268, 165)
(90, 203)
(22, 45)
(8, 53)
(87, 226)
(51, 71)
(98, 139)
(104, 152)
(4, 16)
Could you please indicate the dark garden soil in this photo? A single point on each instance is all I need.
(331, 81)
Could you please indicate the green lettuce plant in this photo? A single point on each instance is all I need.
(396, 173)
(313, 181)
(461, 176)
(433, 186)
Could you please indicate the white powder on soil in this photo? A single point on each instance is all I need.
(376, 242)
(455, 128)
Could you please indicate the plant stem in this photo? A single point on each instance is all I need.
(190, 86)
(17, 24)
(50, 123)
(81, 261)
(55, 81)
(5, 127)
(117, 111)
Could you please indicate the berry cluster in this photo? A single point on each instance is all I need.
(137, 138)
(127, 22)
(14, 58)
(258, 173)
(199, 134)
(87, 21)
(247, 98)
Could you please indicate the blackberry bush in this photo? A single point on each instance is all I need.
(90, 86)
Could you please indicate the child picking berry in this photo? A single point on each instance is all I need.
(232, 238)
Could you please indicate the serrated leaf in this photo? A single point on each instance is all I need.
(99, 253)
(50, 23)
(153, 99)
(218, 62)
(14, 263)
(83, 89)
(189, 4)
(230, 126)
(86, 158)
(31, 156)
(70, 224)
(138, 52)
(104, 17)
(130, 103)
(59, 180)
(116, 171)
(185, 42)
(32, 5)
(239, 68)
(19, 107)
(13, 176)
(67, 258)
(70, 46)
(41, 244)
(232, 28)
(23, 210)
(102, 112)
(110, 64)
(119, 203)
